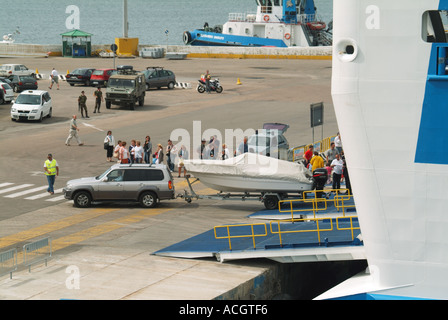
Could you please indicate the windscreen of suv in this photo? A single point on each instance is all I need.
(6, 86)
(28, 99)
(126, 83)
(143, 175)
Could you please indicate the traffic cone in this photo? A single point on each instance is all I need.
(37, 71)
(238, 82)
(68, 71)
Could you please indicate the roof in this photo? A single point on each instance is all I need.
(76, 33)
(35, 92)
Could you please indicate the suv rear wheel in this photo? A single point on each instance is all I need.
(148, 199)
(82, 199)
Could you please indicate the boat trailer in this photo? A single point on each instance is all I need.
(269, 199)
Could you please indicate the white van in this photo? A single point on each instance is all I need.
(32, 105)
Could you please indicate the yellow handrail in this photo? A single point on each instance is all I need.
(253, 235)
(351, 225)
(318, 230)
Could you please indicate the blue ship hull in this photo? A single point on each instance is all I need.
(203, 38)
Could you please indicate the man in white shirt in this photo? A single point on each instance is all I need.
(337, 164)
(54, 78)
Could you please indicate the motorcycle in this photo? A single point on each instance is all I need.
(214, 86)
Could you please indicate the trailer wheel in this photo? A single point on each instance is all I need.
(271, 202)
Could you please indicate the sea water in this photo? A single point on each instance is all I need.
(152, 21)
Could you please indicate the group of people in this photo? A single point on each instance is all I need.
(138, 152)
(334, 162)
(82, 102)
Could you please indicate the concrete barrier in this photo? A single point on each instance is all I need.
(321, 53)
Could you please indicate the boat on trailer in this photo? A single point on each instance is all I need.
(277, 23)
(249, 176)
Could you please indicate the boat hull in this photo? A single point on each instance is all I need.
(203, 38)
(250, 185)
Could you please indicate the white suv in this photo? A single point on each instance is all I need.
(7, 70)
(32, 105)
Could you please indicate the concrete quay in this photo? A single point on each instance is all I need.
(316, 53)
(108, 247)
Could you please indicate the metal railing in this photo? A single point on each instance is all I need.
(317, 229)
(251, 235)
(282, 229)
(318, 203)
(8, 262)
(37, 251)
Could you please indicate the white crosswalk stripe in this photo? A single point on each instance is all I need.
(16, 188)
(8, 190)
(18, 194)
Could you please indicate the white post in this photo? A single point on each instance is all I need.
(125, 19)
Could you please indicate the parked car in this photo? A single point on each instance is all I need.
(100, 77)
(7, 70)
(270, 141)
(6, 93)
(80, 76)
(157, 77)
(32, 105)
(20, 83)
(5, 80)
(147, 184)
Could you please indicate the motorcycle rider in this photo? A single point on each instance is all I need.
(207, 81)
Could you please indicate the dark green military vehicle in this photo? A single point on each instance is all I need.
(126, 88)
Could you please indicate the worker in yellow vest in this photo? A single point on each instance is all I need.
(51, 169)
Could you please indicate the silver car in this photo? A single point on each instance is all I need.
(147, 184)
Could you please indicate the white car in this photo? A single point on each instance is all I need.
(32, 105)
(7, 70)
(6, 93)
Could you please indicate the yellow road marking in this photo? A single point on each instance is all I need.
(96, 231)
(52, 226)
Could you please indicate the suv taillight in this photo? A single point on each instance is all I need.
(170, 184)
(4, 90)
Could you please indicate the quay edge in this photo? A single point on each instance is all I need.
(314, 53)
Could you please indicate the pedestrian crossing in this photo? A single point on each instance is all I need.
(28, 191)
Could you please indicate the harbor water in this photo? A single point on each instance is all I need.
(152, 21)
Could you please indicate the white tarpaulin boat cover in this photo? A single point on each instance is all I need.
(252, 165)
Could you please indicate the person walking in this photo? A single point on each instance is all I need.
(82, 100)
(54, 78)
(73, 132)
(109, 143)
(51, 170)
(98, 94)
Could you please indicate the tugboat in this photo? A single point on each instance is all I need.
(277, 23)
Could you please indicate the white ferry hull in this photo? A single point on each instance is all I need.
(382, 93)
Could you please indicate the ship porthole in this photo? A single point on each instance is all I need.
(347, 50)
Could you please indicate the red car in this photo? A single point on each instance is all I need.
(100, 77)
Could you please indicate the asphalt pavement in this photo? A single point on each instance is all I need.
(110, 244)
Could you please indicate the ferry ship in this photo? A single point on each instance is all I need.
(390, 93)
(277, 23)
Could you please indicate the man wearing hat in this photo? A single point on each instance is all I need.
(82, 99)
(51, 170)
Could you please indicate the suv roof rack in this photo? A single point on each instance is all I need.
(126, 69)
(147, 68)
